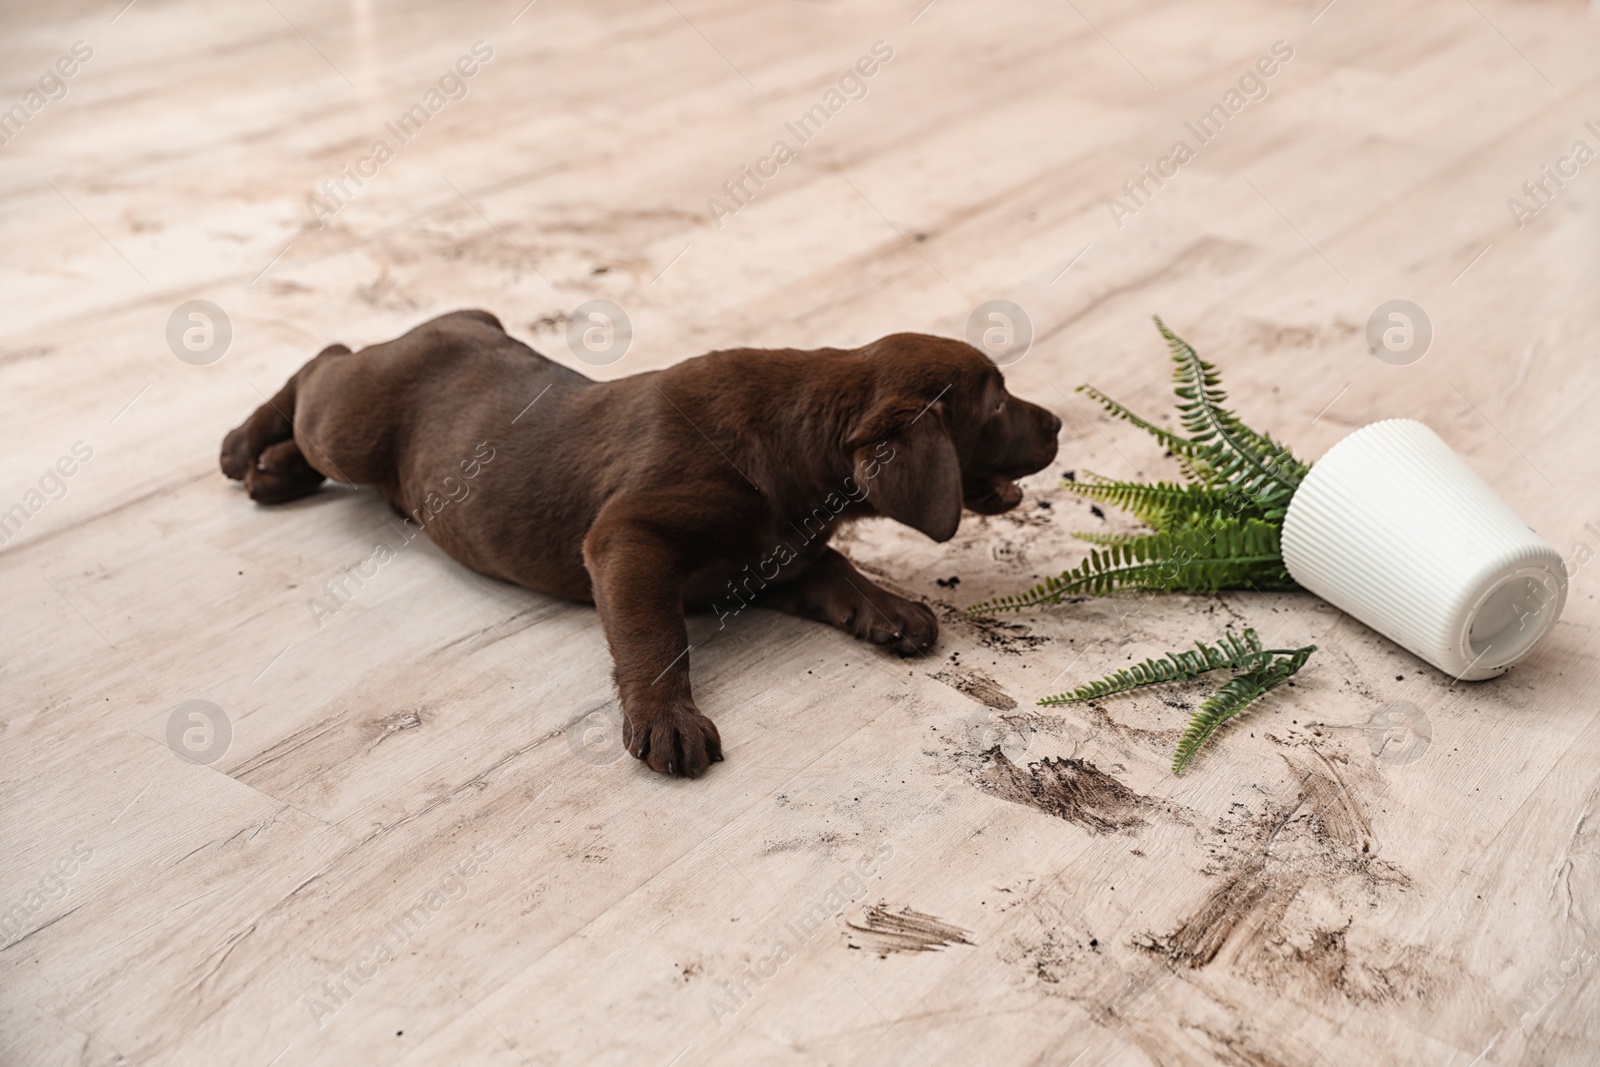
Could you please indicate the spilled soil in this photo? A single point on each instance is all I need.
(1248, 894)
(1281, 899)
(1292, 879)
(979, 686)
(884, 932)
(1070, 789)
(1002, 635)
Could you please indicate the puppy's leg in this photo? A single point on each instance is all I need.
(261, 451)
(638, 582)
(834, 592)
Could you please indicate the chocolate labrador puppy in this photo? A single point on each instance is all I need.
(713, 484)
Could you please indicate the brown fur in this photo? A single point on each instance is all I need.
(714, 483)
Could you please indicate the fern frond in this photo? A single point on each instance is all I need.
(1197, 470)
(1178, 444)
(1235, 697)
(1232, 651)
(1102, 537)
(1200, 558)
(1165, 504)
(1250, 461)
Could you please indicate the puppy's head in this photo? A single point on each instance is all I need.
(940, 432)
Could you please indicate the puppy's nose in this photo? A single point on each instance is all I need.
(1055, 424)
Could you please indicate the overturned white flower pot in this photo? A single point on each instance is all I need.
(1394, 528)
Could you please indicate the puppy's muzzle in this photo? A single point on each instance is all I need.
(1024, 442)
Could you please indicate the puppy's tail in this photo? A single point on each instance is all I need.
(262, 453)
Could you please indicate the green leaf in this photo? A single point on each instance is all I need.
(1200, 558)
(1102, 537)
(1233, 698)
(1173, 441)
(1248, 460)
(1231, 651)
(1165, 504)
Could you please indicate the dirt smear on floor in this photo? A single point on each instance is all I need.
(1277, 905)
(1249, 896)
(1156, 739)
(1291, 879)
(1070, 789)
(885, 932)
(979, 686)
(1001, 635)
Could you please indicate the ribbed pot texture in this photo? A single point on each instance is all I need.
(1394, 528)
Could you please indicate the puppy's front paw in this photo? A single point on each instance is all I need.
(675, 740)
(903, 626)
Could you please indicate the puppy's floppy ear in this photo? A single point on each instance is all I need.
(907, 464)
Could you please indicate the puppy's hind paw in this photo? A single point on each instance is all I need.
(281, 474)
(236, 458)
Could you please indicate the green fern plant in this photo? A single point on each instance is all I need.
(1219, 529)
(1239, 693)
(1238, 653)
(1261, 669)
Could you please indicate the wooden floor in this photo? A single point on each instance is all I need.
(416, 840)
